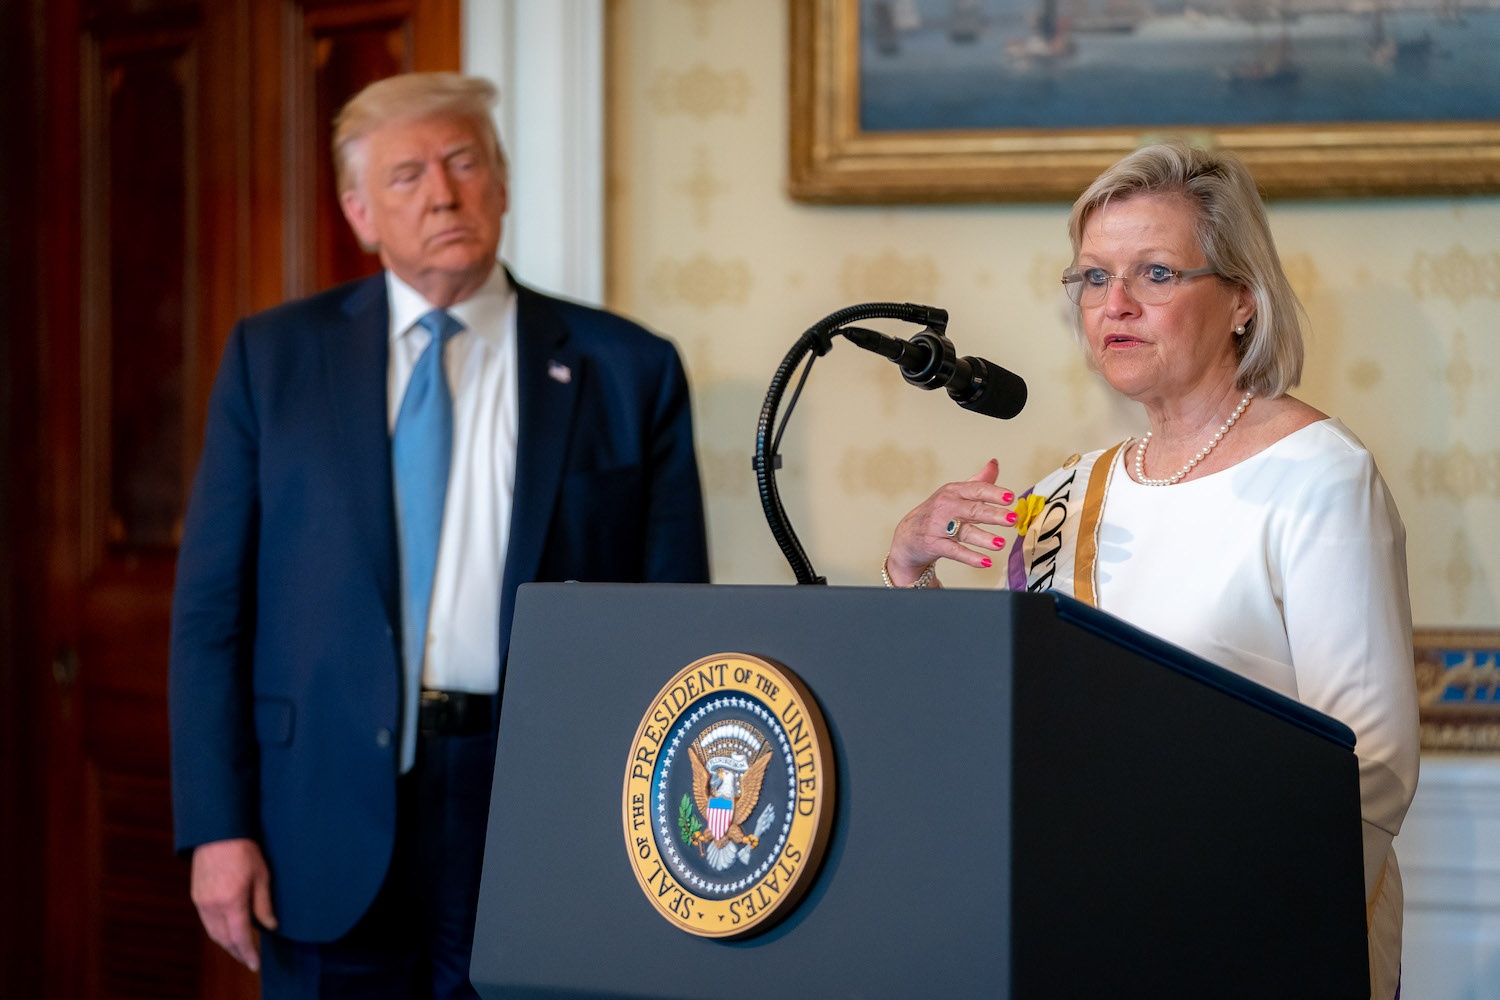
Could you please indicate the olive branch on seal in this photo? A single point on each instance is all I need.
(688, 822)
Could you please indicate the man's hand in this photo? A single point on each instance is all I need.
(230, 880)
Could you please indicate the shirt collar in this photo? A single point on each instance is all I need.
(482, 313)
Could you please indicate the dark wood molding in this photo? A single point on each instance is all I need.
(133, 240)
(21, 545)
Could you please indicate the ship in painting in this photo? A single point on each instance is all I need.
(1271, 62)
(965, 19)
(1259, 38)
(890, 19)
(1386, 49)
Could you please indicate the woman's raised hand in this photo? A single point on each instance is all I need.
(954, 523)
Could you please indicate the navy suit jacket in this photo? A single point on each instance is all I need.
(285, 663)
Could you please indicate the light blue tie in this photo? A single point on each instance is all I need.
(421, 450)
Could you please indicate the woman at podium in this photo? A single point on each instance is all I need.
(1244, 525)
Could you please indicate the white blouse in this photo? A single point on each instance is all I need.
(1290, 569)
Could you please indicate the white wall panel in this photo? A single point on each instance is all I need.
(547, 57)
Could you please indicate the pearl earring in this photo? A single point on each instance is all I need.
(1239, 331)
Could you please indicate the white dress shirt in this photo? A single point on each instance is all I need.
(463, 624)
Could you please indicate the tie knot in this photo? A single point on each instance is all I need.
(440, 324)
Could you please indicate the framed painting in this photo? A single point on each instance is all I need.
(1028, 100)
(1458, 689)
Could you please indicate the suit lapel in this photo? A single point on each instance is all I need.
(547, 380)
(356, 356)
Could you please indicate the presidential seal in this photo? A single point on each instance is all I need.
(729, 793)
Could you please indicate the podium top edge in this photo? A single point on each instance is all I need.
(1069, 610)
(1176, 658)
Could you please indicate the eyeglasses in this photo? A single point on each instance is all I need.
(1148, 284)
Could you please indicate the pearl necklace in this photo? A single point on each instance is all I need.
(1140, 450)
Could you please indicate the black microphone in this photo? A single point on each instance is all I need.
(929, 361)
(987, 388)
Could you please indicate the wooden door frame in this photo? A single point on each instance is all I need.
(40, 283)
(56, 416)
(21, 549)
(44, 877)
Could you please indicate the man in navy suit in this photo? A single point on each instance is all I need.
(334, 677)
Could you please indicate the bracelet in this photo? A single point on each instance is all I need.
(920, 583)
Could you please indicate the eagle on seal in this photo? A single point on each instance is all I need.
(741, 788)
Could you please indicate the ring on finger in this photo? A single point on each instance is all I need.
(953, 528)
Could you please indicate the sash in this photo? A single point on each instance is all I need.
(1060, 546)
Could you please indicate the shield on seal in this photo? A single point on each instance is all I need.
(720, 814)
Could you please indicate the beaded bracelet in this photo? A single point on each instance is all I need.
(920, 583)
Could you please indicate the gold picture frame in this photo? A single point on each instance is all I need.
(833, 161)
(1458, 689)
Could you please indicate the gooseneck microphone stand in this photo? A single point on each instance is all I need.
(818, 341)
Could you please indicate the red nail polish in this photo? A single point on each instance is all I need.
(1010, 517)
(985, 562)
(998, 542)
(1008, 497)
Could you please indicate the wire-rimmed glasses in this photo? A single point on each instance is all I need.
(1148, 284)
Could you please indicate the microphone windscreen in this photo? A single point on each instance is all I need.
(994, 391)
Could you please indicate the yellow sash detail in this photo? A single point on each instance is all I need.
(1088, 525)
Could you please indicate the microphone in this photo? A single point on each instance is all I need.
(929, 361)
(987, 388)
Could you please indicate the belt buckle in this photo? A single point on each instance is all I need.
(437, 706)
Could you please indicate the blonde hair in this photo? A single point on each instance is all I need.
(1235, 237)
(407, 97)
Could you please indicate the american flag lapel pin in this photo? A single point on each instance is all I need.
(559, 372)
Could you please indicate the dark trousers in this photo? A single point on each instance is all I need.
(414, 942)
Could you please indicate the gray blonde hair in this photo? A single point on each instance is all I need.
(1235, 237)
(407, 97)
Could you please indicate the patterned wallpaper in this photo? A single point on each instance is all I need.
(706, 247)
